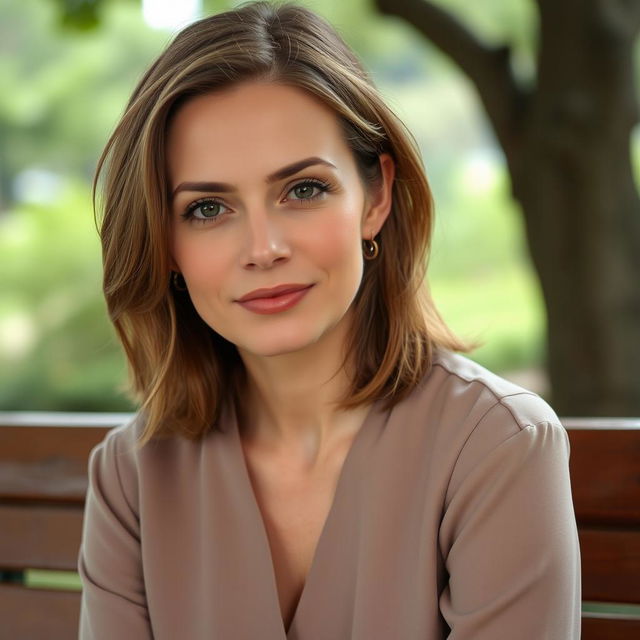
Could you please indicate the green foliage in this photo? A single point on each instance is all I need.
(62, 94)
(80, 14)
(481, 277)
(57, 350)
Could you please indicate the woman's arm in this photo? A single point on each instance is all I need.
(109, 562)
(510, 542)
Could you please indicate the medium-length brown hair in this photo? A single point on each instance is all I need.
(182, 371)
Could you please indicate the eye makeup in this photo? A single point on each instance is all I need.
(209, 210)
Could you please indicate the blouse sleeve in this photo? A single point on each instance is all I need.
(109, 561)
(509, 539)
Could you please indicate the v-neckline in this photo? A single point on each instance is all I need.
(343, 478)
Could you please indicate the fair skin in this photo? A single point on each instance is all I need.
(259, 230)
(261, 226)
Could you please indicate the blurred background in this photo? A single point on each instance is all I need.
(66, 71)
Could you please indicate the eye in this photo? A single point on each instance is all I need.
(308, 190)
(204, 209)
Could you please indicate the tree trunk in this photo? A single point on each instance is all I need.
(567, 144)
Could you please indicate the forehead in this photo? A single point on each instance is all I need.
(254, 127)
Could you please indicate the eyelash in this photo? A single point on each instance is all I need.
(322, 185)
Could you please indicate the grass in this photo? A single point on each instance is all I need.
(63, 580)
(501, 309)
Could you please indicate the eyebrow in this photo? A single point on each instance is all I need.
(280, 174)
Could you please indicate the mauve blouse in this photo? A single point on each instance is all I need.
(452, 518)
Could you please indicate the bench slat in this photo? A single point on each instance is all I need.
(46, 463)
(32, 443)
(38, 613)
(609, 629)
(605, 476)
(42, 537)
(55, 480)
(610, 565)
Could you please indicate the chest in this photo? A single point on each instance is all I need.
(294, 508)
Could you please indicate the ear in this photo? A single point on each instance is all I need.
(379, 199)
(173, 265)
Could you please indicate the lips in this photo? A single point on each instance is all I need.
(274, 292)
(275, 299)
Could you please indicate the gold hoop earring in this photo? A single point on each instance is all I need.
(370, 249)
(178, 282)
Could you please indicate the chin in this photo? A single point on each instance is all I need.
(272, 348)
(273, 344)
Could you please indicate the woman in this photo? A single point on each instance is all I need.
(311, 459)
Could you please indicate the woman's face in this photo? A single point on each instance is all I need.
(268, 215)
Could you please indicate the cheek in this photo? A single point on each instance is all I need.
(336, 244)
(199, 259)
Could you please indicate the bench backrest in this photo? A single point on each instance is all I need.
(43, 482)
(605, 479)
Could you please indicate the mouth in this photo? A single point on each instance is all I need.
(275, 299)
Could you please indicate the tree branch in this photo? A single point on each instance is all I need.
(488, 68)
(621, 18)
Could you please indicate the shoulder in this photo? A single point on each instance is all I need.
(121, 441)
(457, 381)
(120, 461)
(484, 424)
(466, 413)
(113, 462)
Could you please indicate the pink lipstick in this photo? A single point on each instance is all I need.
(275, 299)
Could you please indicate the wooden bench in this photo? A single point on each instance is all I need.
(605, 479)
(43, 482)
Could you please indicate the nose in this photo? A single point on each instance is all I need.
(266, 243)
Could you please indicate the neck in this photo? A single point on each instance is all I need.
(291, 400)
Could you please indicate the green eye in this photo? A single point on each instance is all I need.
(207, 210)
(204, 209)
(304, 191)
(309, 190)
